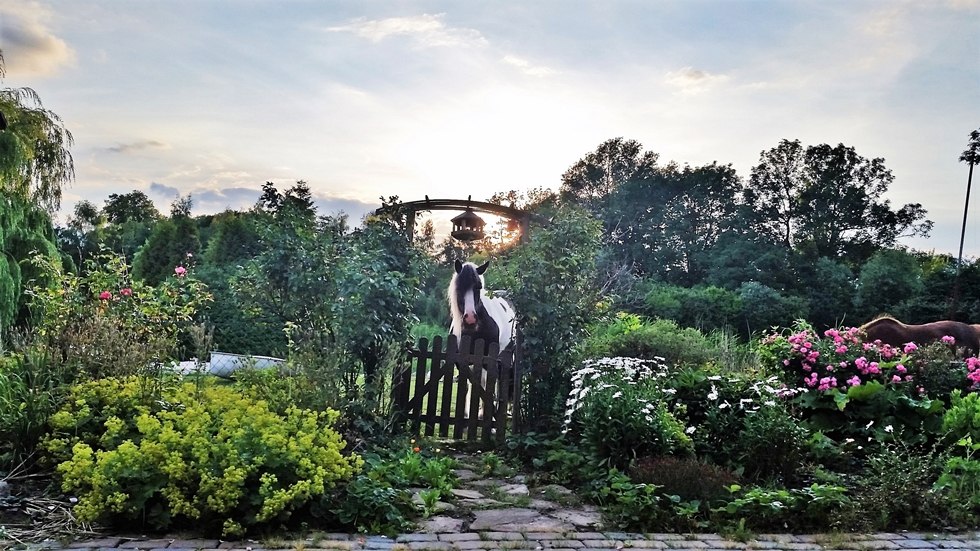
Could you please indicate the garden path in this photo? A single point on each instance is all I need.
(496, 507)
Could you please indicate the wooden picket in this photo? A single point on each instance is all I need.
(423, 386)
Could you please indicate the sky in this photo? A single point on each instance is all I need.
(364, 99)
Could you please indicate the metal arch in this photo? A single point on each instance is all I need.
(411, 207)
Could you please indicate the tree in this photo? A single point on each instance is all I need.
(34, 158)
(554, 285)
(669, 222)
(591, 180)
(890, 278)
(173, 242)
(25, 231)
(828, 201)
(135, 205)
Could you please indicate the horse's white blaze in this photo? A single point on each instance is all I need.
(469, 309)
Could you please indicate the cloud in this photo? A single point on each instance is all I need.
(426, 30)
(162, 191)
(29, 47)
(691, 80)
(137, 146)
(527, 68)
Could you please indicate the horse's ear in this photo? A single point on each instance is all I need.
(458, 266)
(483, 267)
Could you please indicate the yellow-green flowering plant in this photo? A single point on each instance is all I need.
(206, 455)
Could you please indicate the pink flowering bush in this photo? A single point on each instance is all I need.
(853, 389)
(103, 323)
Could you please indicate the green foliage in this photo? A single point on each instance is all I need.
(764, 307)
(104, 323)
(959, 484)
(894, 490)
(34, 158)
(616, 407)
(553, 284)
(31, 388)
(801, 509)
(962, 419)
(630, 336)
(704, 307)
(686, 477)
(378, 501)
(886, 280)
(25, 232)
(174, 242)
(201, 454)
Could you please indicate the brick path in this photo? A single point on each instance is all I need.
(549, 541)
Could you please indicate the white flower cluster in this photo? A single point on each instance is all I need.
(764, 393)
(610, 373)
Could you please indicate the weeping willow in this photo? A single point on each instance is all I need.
(34, 158)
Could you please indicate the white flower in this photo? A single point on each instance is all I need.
(868, 426)
(713, 395)
(714, 378)
(723, 405)
(690, 430)
(670, 391)
(889, 428)
(617, 395)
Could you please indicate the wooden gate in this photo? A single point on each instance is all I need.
(430, 388)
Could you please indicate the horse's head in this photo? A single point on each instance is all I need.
(465, 292)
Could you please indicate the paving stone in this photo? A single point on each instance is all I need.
(645, 544)
(561, 544)
(502, 536)
(464, 474)
(406, 538)
(144, 544)
(580, 519)
(460, 536)
(467, 494)
(514, 489)
(543, 505)
(194, 544)
(686, 544)
(915, 544)
(441, 524)
(103, 542)
(430, 546)
(590, 536)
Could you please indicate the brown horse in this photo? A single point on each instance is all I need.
(891, 331)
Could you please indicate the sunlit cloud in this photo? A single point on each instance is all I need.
(691, 81)
(137, 146)
(527, 68)
(426, 30)
(29, 47)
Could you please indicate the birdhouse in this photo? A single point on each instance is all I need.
(468, 226)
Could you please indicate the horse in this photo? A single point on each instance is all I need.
(890, 331)
(477, 315)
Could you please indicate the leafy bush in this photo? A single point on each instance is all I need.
(105, 324)
(633, 337)
(739, 421)
(846, 386)
(616, 408)
(959, 484)
(31, 388)
(894, 490)
(962, 419)
(200, 454)
(688, 478)
(796, 509)
(379, 499)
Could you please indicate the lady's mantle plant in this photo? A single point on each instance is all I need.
(202, 455)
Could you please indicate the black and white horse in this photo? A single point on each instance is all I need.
(477, 315)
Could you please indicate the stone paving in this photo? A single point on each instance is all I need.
(499, 511)
(544, 541)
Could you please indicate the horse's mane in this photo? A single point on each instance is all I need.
(457, 315)
(882, 317)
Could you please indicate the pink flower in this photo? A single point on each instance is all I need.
(126, 292)
(896, 379)
(947, 339)
(842, 349)
(180, 271)
(910, 347)
(105, 295)
(900, 368)
(854, 381)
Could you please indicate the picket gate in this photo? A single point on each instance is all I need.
(429, 389)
